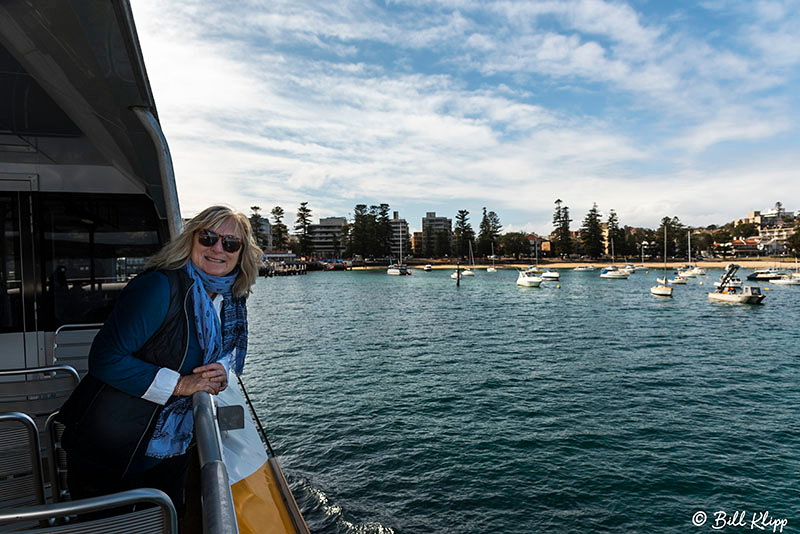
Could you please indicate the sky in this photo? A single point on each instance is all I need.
(646, 107)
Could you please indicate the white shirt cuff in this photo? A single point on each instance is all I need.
(163, 386)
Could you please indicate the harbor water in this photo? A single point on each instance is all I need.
(410, 405)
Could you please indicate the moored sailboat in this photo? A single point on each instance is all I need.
(662, 289)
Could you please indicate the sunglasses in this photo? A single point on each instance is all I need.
(209, 238)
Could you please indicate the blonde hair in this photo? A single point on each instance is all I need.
(177, 252)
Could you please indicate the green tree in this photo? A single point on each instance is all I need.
(463, 234)
(679, 236)
(359, 232)
(376, 246)
(793, 243)
(280, 234)
(703, 241)
(255, 225)
(515, 244)
(302, 229)
(676, 235)
(488, 234)
(561, 238)
(615, 234)
(383, 231)
(745, 230)
(592, 234)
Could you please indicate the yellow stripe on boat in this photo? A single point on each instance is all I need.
(259, 504)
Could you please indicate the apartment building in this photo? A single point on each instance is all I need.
(328, 237)
(399, 234)
(431, 225)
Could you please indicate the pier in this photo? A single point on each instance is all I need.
(283, 269)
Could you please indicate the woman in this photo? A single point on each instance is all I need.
(176, 329)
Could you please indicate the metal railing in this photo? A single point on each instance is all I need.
(219, 516)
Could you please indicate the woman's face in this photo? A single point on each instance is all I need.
(214, 260)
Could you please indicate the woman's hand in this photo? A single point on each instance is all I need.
(214, 372)
(211, 378)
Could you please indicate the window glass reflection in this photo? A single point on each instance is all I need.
(92, 247)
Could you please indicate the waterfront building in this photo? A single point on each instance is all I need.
(399, 234)
(745, 247)
(265, 232)
(780, 232)
(327, 237)
(772, 247)
(539, 246)
(418, 243)
(433, 226)
(771, 217)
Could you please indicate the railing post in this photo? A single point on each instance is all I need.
(219, 515)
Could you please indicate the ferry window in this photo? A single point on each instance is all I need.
(91, 247)
(11, 272)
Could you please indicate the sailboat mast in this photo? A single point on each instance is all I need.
(665, 254)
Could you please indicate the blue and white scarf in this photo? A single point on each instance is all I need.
(175, 425)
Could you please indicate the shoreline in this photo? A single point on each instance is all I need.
(671, 265)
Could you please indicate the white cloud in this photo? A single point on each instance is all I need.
(278, 103)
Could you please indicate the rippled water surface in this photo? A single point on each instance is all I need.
(407, 405)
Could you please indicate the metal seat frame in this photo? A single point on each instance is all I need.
(161, 519)
(20, 462)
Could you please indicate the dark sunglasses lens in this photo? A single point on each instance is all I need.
(231, 244)
(207, 238)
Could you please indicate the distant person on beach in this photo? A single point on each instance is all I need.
(177, 328)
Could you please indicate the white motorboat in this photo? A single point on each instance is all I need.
(769, 273)
(585, 268)
(678, 279)
(399, 269)
(735, 281)
(738, 295)
(550, 275)
(663, 290)
(734, 294)
(787, 280)
(463, 272)
(428, 268)
(613, 273)
(629, 268)
(528, 278)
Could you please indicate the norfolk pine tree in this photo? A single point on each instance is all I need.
(592, 234)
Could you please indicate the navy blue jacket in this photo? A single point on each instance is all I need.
(108, 424)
